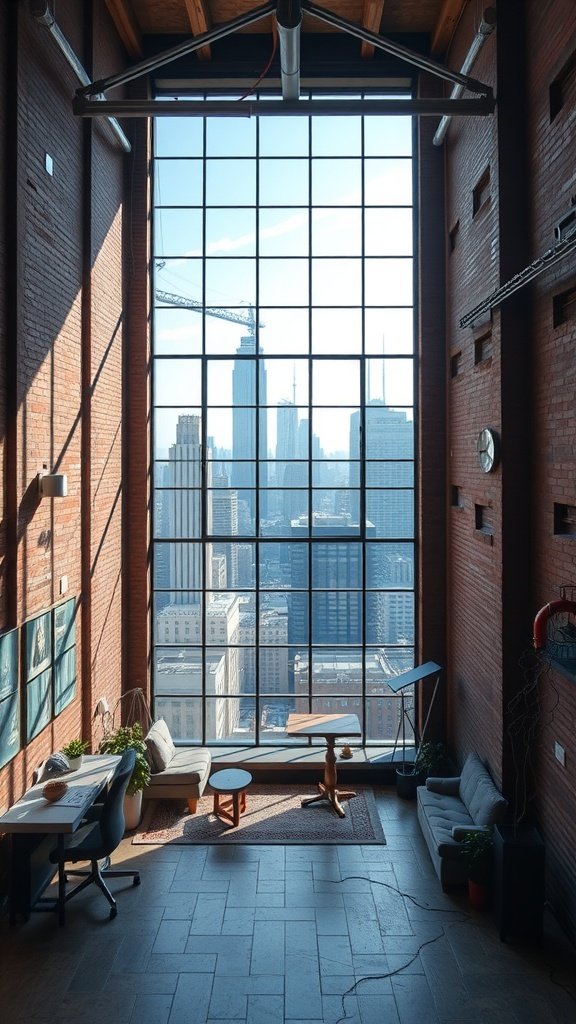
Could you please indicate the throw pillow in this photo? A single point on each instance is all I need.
(159, 745)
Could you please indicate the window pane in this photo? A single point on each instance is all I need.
(178, 182)
(336, 566)
(336, 331)
(177, 233)
(391, 512)
(283, 282)
(389, 618)
(389, 433)
(388, 281)
(388, 232)
(336, 182)
(178, 513)
(336, 617)
(230, 720)
(390, 381)
(231, 136)
(177, 136)
(388, 182)
(286, 386)
(336, 380)
(178, 670)
(283, 232)
(286, 330)
(231, 381)
(389, 565)
(178, 277)
(177, 382)
(283, 136)
(390, 474)
(389, 331)
(178, 431)
(336, 282)
(183, 716)
(230, 182)
(387, 136)
(336, 136)
(230, 232)
(337, 671)
(337, 432)
(283, 183)
(337, 232)
(230, 281)
(283, 564)
(177, 332)
(273, 718)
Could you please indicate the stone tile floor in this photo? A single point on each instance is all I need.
(267, 934)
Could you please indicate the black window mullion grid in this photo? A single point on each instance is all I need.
(362, 496)
(257, 453)
(204, 468)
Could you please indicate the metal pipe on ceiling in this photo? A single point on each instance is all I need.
(481, 106)
(44, 16)
(288, 21)
(485, 27)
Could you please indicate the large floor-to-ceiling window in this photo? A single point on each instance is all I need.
(283, 427)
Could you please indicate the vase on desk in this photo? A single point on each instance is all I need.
(75, 762)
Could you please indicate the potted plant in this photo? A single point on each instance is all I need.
(124, 738)
(476, 848)
(74, 751)
(432, 759)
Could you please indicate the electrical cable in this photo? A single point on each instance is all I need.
(397, 970)
(264, 72)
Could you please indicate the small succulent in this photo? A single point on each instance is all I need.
(75, 748)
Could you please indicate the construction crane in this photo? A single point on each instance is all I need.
(247, 320)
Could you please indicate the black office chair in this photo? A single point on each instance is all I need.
(95, 842)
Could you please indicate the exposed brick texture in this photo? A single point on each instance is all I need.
(525, 390)
(60, 337)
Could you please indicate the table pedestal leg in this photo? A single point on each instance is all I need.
(327, 788)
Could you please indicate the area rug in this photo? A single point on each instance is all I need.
(273, 815)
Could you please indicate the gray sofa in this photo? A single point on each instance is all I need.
(449, 807)
(177, 773)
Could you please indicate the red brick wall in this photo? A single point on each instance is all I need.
(67, 344)
(525, 390)
(552, 41)
(474, 560)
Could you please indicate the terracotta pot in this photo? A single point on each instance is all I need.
(478, 895)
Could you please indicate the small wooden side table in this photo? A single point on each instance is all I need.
(329, 727)
(233, 782)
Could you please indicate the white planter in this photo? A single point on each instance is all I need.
(75, 762)
(132, 809)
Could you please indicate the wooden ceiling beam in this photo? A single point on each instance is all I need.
(126, 26)
(371, 19)
(450, 14)
(199, 22)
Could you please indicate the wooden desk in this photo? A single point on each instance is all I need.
(329, 727)
(33, 815)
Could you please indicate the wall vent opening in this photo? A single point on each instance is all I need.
(564, 520)
(481, 192)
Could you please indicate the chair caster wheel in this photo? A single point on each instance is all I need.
(136, 880)
(113, 913)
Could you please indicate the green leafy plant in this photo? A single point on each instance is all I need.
(476, 849)
(75, 748)
(130, 737)
(432, 759)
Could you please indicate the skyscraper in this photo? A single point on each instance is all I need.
(245, 398)
(184, 478)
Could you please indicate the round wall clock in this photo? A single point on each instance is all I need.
(487, 449)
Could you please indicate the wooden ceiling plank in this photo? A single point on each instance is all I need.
(448, 18)
(199, 19)
(371, 19)
(126, 26)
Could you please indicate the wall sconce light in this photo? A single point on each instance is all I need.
(52, 485)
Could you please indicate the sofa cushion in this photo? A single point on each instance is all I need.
(160, 747)
(189, 765)
(484, 803)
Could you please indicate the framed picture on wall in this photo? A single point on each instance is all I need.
(8, 663)
(9, 727)
(64, 627)
(38, 645)
(38, 703)
(64, 680)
